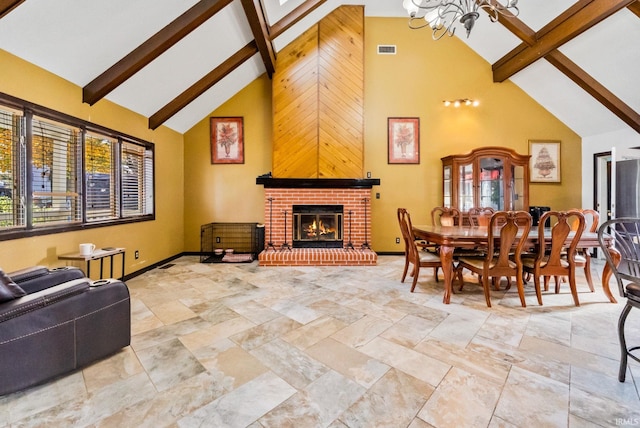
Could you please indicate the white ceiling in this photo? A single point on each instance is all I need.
(79, 39)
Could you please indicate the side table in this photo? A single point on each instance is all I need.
(98, 254)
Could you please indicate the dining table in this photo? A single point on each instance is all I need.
(448, 238)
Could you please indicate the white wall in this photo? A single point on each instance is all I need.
(597, 144)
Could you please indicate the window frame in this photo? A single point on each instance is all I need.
(29, 110)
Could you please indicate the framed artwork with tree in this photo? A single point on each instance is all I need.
(227, 140)
(545, 161)
(403, 140)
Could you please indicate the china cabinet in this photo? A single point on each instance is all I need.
(495, 177)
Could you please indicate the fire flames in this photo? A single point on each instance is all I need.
(315, 229)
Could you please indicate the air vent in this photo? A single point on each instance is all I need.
(386, 49)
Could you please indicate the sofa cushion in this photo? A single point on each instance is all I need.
(9, 290)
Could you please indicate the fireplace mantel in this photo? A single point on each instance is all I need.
(317, 183)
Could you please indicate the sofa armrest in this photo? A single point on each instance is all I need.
(28, 273)
(32, 302)
(35, 279)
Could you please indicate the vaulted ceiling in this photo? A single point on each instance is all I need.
(176, 61)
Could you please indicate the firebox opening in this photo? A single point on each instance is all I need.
(317, 226)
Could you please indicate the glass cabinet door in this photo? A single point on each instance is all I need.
(491, 182)
(465, 187)
(447, 183)
(517, 187)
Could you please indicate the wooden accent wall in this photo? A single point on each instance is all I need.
(318, 100)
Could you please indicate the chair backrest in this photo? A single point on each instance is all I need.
(591, 220)
(626, 243)
(445, 216)
(560, 231)
(512, 228)
(480, 216)
(410, 248)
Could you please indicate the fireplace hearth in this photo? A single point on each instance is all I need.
(317, 226)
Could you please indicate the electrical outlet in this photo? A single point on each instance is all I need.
(377, 195)
(397, 240)
(136, 254)
(368, 174)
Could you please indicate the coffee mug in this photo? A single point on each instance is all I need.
(87, 249)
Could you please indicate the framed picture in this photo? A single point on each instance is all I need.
(545, 161)
(227, 140)
(404, 139)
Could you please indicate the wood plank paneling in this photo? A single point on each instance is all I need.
(318, 100)
(295, 106)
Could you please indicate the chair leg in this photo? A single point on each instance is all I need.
(435, 273)
(587, 272)
(574, 289)
(520, 285)
(536, 284)
(622, 373)
(485, 287)
(406, 268)
(416, 272)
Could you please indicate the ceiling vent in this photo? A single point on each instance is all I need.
(386, 49)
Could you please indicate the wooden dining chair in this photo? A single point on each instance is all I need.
(548, 260)
(413, 256)
(445, 216)
(504, 247)
(583, 255)
(479, 216)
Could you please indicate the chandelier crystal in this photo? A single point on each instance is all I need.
(443, 15)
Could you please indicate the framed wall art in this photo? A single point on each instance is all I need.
(227, 140)
(545, 161)
(403, 140)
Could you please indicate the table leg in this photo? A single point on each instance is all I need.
(101, 266)
(606, 273)
(446, 258)
(111, 266)
(122, 277)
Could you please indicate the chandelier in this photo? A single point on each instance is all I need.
(442, 15)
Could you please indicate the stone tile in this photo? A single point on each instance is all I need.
(288, 362)
(242, 406)
(475, 399)
(532, 400)
(362, 331)
(319, 404)
(349, 362)
(409, 361)
(312, 333)
(169, 364)
(264, 333)
(120, 366)
(392, 402)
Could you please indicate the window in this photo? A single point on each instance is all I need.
(58, 173)
(55, 154)
(12, 212)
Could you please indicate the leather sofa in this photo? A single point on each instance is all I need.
(54, 325)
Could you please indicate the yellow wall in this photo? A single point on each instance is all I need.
(412, 83)
(228, 192)
(156, 240)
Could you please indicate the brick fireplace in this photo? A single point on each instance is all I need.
(354, 198)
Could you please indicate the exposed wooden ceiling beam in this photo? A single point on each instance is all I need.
(202, 85)
(571, 70)
(150, 49)
(593, 87)
(579, 22)
(296, 15)
(7, 6)
(260, 30)
(635, 8)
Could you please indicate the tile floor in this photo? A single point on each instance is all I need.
(238, 345)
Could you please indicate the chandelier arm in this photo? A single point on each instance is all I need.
(442, 16)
